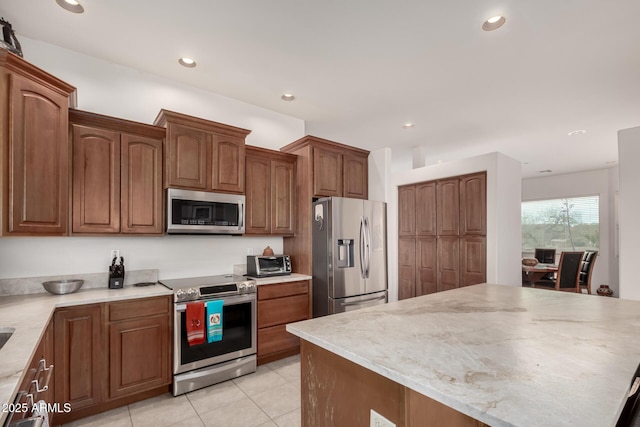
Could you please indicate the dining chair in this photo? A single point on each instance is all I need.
(545, 256)
(568, 276)
(588, 262)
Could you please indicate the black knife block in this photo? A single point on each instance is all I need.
(116, 274)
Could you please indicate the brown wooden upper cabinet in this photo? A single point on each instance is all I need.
(117, 175)
(270, 191)
(34, 149)
(336, 169)
(202, 154)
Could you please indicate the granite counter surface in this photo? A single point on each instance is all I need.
(29, 315)
(507, 356)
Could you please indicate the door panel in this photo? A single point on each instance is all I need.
(426, 209)
(448, 207)
(327, 173)
(142, 200)
(426, 259)
(228, 163)
(376, 214)
(96, 180)
(259, 189)
(355, 176)
(473, 260)
(473, 204)
(448, 263)
(38, 142)
(282, 197)
(187, 161)
(406, 268)
(407, 211)
(346, 225)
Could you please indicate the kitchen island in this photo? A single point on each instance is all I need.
(484, 354)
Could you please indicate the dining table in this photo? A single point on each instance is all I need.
(531, 274)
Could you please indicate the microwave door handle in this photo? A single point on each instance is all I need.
(241, 219)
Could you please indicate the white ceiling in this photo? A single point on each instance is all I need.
(361, 68)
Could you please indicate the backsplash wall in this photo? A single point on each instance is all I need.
(173, 256)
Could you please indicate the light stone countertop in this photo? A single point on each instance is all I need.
(293, 277)
(30, 314)
(507, 356)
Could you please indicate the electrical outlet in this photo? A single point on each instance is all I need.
(115, 253)
(249, 251)
(378, 420)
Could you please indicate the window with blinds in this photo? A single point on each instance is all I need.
(570, 224)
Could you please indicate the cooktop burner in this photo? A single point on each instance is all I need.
(207, 287)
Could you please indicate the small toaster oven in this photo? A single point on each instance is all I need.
(267, 266)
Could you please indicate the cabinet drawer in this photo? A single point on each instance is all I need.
(276, 339)
(141, 307)
(279, 290)
(283, 310)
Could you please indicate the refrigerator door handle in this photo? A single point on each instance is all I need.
(362, 244)
(348, 304)
(367, 239)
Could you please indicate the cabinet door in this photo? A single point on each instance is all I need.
(426, 260)
(258, 195)
(280, 311)
(80, 369)
(228, 163)
(448, 263)
(473, 204)
(96, 180)
(327, 173)
(38, 199)
(141, 185)
(406, 268)
(187, 157)
(407, 211)
(426, 209)
(355, 176)
(473, 260)
(282, 197)
(448, 207)
(138, 355)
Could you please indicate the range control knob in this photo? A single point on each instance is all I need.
(193, 293)
(180, 295)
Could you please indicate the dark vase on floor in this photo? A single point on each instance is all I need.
(605, 291)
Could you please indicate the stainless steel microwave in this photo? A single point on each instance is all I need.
(201, 212)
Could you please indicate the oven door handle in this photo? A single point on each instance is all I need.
(237, 299)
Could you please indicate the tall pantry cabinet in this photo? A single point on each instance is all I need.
(441, 235)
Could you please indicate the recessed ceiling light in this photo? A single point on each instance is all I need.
(545, 171)
(494, 23)
(187, 62)
(408, 125)
(287, 97)
(70, 5)
(577, 132)
(611, 162)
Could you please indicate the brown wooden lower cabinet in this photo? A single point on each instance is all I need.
(112, 354)
(279, 304)
(338, 392)
(80, 346)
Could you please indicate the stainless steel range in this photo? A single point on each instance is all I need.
(201, 365)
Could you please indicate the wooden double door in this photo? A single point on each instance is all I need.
(442, 235)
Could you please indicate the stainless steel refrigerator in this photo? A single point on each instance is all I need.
(349, 254)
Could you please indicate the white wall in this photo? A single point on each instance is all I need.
(628, 211)
(503, 213)
(588, 183)
(126, 93)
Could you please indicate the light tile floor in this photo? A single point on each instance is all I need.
(268, 397)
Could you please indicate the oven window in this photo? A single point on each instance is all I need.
(236, 334)
(193, 212)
